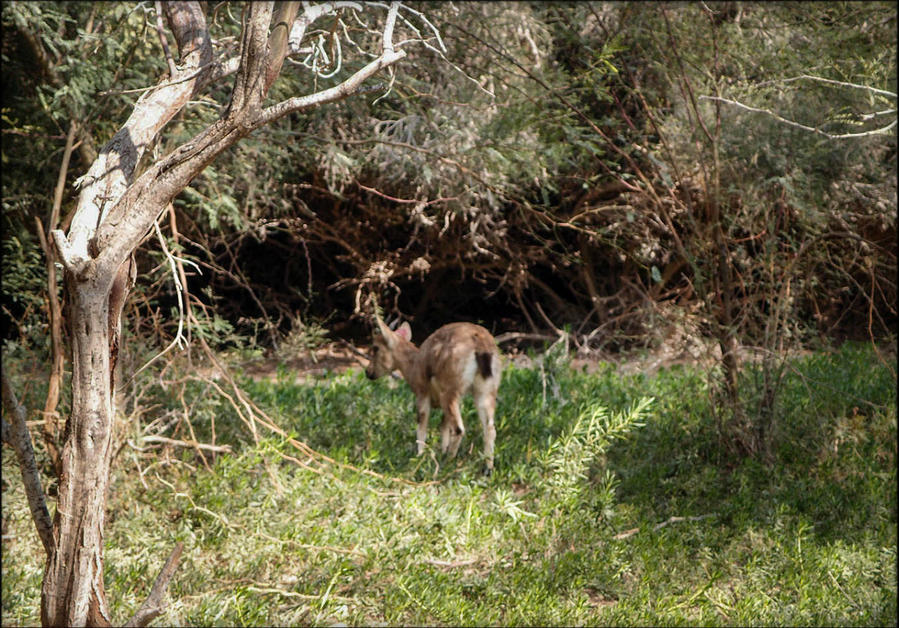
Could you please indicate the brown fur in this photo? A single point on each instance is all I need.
(455, 359)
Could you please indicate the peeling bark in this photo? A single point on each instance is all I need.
(73, 593)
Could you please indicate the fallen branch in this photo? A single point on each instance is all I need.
(356, 351)
(326, 548)
(152, 438)
(260, 587)
(659, 526)
(17, 436)
(626, 534)
(676, 519)
(152, 607)
(450, 564)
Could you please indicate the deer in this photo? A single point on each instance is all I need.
(455, 359)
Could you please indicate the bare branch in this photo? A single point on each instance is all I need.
(832, 82)
(512, 336)
(208, 73)
(779, 118)
(626, 534)
(312, 12)
(338, 92)
(440, 52)
(152, 607)
(424, 19)
(874, 114)
(17, 436)
(167, 177)
(179, 339)
(387, 38)
(219, 70)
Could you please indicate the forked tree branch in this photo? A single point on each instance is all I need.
(338, 92)
(17, 436)
(158, 186)
(115, 211)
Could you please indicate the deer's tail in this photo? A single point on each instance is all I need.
(485, 364)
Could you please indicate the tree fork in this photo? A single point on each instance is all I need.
(114, 213)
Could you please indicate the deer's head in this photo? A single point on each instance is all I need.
(383, 357)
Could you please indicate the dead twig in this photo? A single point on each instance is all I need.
(261, 587)
(514, 335)
(354, 350)
(324, 548)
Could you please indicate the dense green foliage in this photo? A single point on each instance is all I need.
(501, 167)
(574, 528)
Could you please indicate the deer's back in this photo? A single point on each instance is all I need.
(458, 352)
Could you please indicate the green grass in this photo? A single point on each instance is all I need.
(566, 531)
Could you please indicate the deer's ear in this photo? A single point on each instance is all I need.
(387, 334)
(405, 332)
(382, 328)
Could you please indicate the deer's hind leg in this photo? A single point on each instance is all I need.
(484, 392)
(485, 401)
(452, 429)
(421, 434)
